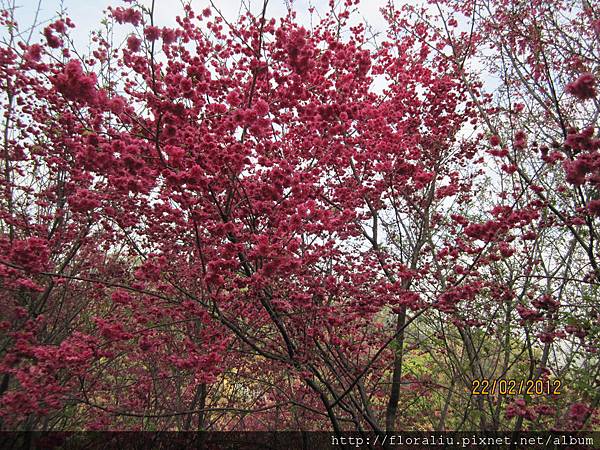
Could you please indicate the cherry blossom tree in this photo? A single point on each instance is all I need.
(261, 225)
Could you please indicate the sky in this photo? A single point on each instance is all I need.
(87, 13)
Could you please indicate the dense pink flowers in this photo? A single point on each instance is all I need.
(584, 87)
(168, 36)
(520, 140)
(494, 140)
(127, 15)
(578, 412)
(218, 224)
(133, 43)
(586, 164)
(76, 85)
(261, 107)
(152, 33)
(32, 253)
(519, 408)
(594, 207)
(52, 40)
(34, 53)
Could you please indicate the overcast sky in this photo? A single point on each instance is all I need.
(87, 13)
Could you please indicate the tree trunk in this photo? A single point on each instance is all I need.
(392, 407)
